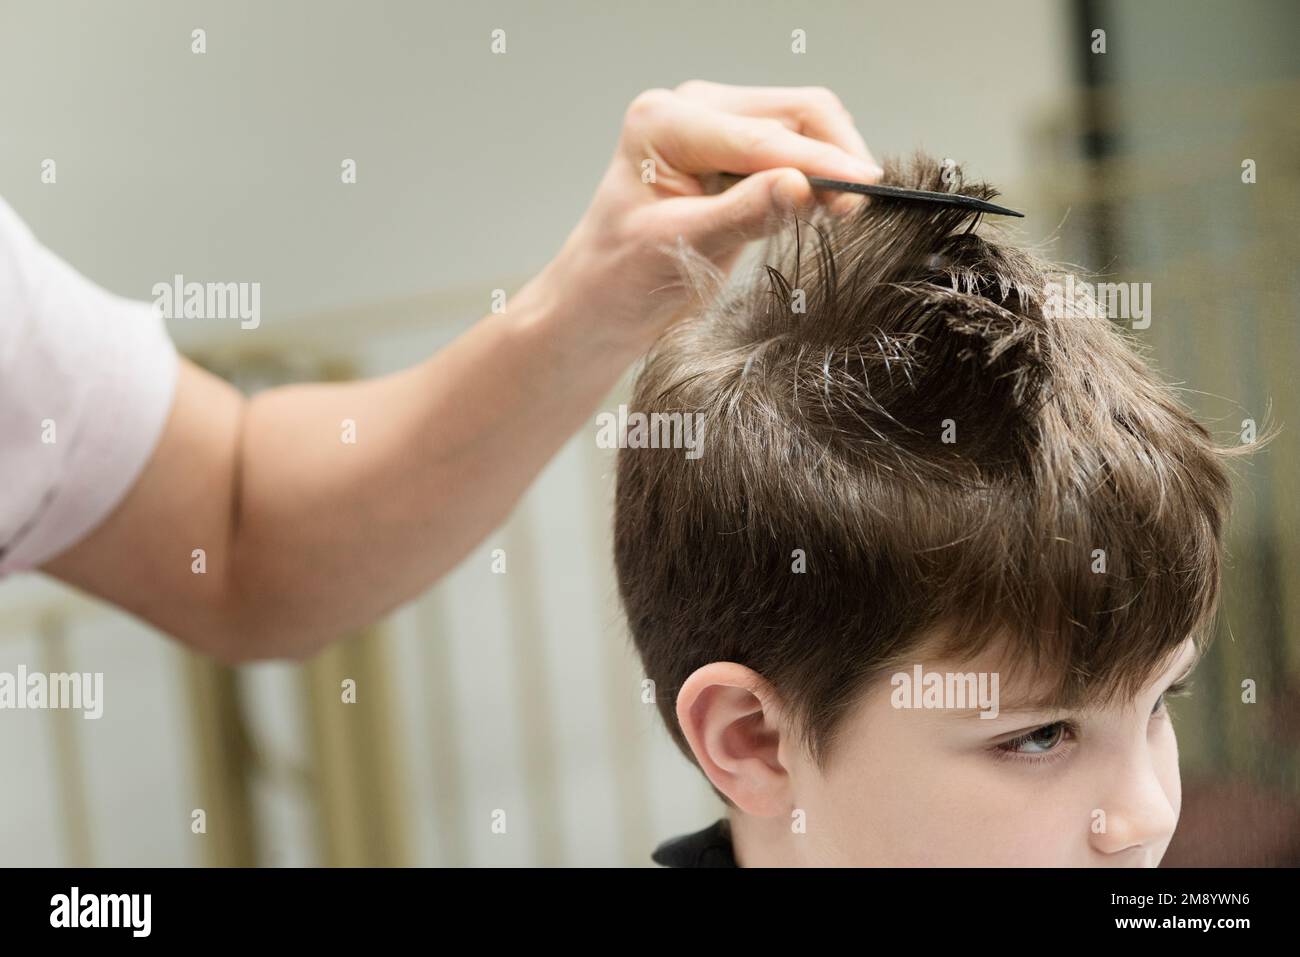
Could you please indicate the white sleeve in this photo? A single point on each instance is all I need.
(86, 384)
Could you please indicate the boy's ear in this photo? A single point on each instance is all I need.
(732, 719)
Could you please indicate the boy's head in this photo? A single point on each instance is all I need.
(916, 452)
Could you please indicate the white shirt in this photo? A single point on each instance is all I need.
(86, 383)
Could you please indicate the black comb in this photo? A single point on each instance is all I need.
(898, 192)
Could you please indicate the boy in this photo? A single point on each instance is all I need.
(923, 474)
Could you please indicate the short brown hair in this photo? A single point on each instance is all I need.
(825, 432)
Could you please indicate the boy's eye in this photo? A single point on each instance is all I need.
(1044, 744)
(1038, 741)
(1173, 691)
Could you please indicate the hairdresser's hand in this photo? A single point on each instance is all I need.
(613, 279)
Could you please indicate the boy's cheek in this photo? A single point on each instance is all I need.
(1170, 776)
(937, 813)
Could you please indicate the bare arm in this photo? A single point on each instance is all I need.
(307, 536)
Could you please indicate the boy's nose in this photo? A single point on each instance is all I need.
(1139, 816)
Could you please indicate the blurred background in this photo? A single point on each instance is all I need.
(520, 691)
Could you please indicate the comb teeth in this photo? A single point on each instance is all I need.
(915, 195)
(892, 192)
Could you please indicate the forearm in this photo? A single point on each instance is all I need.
(329, 534)
(258, 529)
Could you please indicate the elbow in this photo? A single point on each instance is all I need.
(236, 629)
(253, 639)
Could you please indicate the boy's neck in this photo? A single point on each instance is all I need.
(761, 841)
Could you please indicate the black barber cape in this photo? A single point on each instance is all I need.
(710, 847)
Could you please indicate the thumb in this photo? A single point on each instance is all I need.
(754, 207)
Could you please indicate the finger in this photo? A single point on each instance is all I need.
(755, 207)
(814, 111)
(811, 111)
(695, 139)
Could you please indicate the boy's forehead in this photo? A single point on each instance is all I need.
(1021, 689)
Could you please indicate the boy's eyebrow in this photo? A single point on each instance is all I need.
(1017, 707)
(1020, 705)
